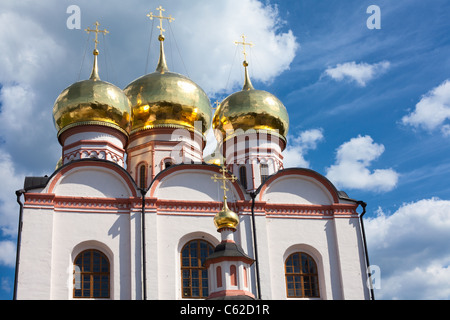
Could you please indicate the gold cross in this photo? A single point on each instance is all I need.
(96, 33)
(160, 17)
(224, 179)
(243, 45)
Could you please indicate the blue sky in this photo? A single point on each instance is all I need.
(368, 108)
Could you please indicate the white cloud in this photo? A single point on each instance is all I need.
(11, 181)
(411, 248)
(6, 284)
(30, 57)
(27, 50)
(7, 253)
(361, 73)
(432, 110)
(351, 168)
(207, 44)
(297, 147)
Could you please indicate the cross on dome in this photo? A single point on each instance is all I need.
(250, 44)
(97, 31)
(161, 18)
(247, 82)
(94, 74)
(224, 180)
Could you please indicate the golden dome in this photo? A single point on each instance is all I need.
(226, 218)
(167, 99)
(91, 102)
(251, 109)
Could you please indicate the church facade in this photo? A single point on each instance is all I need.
(133, 210)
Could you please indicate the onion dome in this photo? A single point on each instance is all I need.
(226, 218)
(165, 99)
(251, 109)
(92, 102)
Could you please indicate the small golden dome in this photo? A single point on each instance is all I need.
(251, 109)
(90, 102)
(167, 99)
(226, 218)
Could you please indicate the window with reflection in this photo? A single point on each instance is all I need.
(91, 275)
(194, 276)
(243, 176)
(142, 180)
(264, 168)
(302, 280)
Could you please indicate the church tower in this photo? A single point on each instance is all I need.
(92, 118)
(228, 266)
(169, 117)
(251, 128)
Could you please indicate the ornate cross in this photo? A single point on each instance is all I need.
(224, 179)
(88, 30)
(160, 17)
(243, 45)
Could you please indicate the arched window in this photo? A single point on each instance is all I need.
(167, 163)
(91, 275)
(302, 280)
(142, 180)
(243, 176)
(219, 276)
(194, 276)
(245, 278)
(264, 172)
(233, 277)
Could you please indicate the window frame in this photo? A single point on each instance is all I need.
(243, 176)
(201, 270)
(142, 173)
(79, 275)
(264, 172)
(313, 277)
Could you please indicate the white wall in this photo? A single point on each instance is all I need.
(52, 237)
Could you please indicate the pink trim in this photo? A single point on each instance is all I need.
(93, 128)
(230, 293)
(105, 164)
(219, 276)
(308, 173)
(227, 240)
(41, 199)
(94, 143)
(188, 206)
(233, 276)
(248, 261)
(245, 278)
(138, 173)
(214, 169)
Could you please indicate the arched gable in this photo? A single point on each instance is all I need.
(192, 182)
(298, 186)
(92, 178)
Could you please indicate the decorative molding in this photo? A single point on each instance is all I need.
(180, 207)
(103, 164)
(301, 172)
